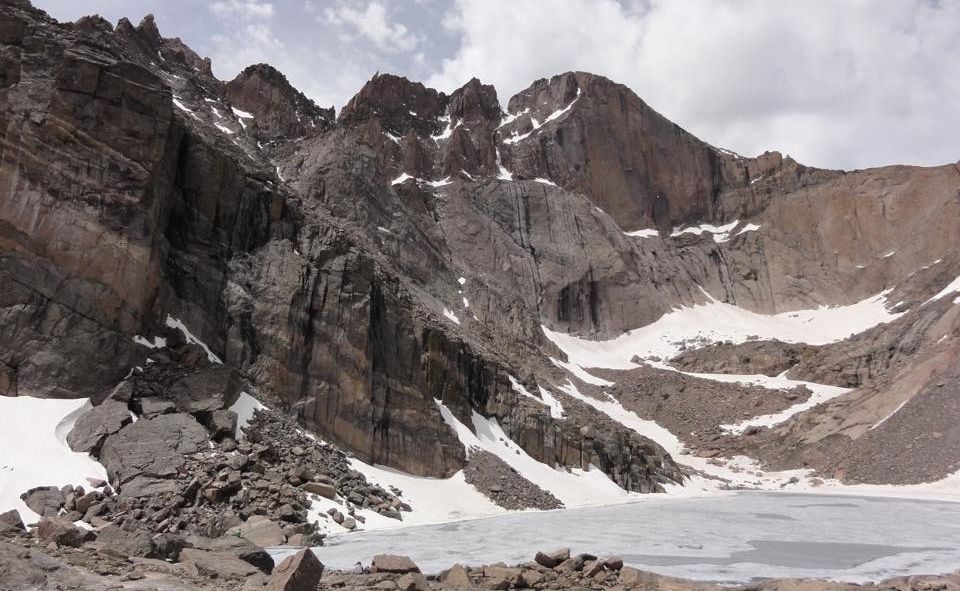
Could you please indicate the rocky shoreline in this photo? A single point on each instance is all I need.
(27, 562)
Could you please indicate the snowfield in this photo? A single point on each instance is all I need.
(716, 321)
(36, 452)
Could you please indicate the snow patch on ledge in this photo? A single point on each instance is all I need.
(192, 339)
(645, 233)
(451, 316)
(404, 177)
(574, 488)
(715, 322)
(950, 288)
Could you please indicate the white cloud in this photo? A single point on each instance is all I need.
(372, 23)
(833, 83)
(246, 8)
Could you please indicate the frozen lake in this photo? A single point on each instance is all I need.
(729, 538)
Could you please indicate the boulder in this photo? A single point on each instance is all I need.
(143, 456)
(10, 522)
(222, 423)
(413, 582)
(151, 406)
(62, 532)
(321, 488)
(614, 563)
(93, 426)
(498, 575)
(552, 559)
(349, 523)
(532, 578)
(128, 539)
(391, 563)
(457, 577)
(261, 531)
(217, 564)
(207, 390)
(300, 572)
(44, 500)
(238, 547)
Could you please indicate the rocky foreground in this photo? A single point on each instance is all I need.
(26, 562)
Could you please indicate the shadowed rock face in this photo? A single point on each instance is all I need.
(322, 258)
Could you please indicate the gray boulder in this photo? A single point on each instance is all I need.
(221, 565)
(10, 522)
(261, 531)
(93, 427)
(552, 559)
(208, 390)
(391, 563)
(143, 457)
(62, 532)
(300, 572)
(44, 500)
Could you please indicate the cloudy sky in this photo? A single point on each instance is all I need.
(834, 83)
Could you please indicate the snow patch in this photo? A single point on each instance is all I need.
(156, 343)
(502, 173)
(35, 452)
(441, 183)
(645, 233)
(401, 179)
(544, 181)
(182, 107)
(720, 233)
(578, 371)
(546, 398)
(245, 407)
(224, 129)
(176, 323)
(451, 316)
(241, 114)
(950, 288)
(716, 321)
(574, 488)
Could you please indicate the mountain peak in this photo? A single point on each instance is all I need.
(279, 109)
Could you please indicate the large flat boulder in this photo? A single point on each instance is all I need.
(143, 457)
(300, 572)
(62, 532)
(261, 531)
(391, 563)
(206, 391)
(44, 500)
(93, 427)
(221, 565)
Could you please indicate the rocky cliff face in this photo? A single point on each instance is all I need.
(360, 268)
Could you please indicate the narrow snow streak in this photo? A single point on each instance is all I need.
(573, 488)
(950, 288)
(451, 316)
(645, 233)
(176, 323)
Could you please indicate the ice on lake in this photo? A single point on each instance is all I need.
(732, 538)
